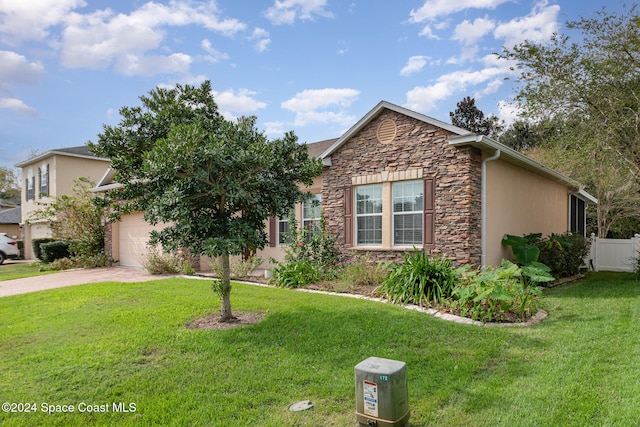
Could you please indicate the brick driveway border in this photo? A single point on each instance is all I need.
(74, 277)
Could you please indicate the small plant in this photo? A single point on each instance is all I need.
(497, 294)
(158, 262)
(237, 268)
(361, 271)
(419, 279)
(295, 274)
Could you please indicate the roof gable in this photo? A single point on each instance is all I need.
(373, 113)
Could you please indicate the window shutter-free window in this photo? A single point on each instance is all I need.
(369, 214)
(408, 202)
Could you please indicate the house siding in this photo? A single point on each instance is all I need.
(422, 150)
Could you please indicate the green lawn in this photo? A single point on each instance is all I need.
(14, 270)
(126, 344)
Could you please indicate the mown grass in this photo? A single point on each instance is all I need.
(116, 342)
(16, 270)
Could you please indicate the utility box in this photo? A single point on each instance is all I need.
(382, 398)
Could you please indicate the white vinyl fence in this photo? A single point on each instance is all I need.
(614, 254)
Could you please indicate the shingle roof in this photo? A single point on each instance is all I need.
(11, 216)
(315, 149)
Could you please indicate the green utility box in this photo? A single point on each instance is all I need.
(382, 398)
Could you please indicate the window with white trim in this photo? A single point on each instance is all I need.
(31, 187)
(311, 210)
(408, 209)
(369, 215)
(43, 180)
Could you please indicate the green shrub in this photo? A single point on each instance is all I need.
(295, 274)
(361, 271)
(80, 261)
(564, 253)
(35, 244)
(419, 279)
(52, 251)
(497, 294)
(158, 262)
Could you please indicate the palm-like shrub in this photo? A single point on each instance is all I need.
(419, 279)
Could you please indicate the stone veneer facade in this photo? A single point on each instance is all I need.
(419, 150)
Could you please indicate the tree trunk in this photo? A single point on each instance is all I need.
(225, 291)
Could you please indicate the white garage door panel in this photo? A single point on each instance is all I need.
(134, 235)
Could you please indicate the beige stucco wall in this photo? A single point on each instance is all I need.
(520, 202)
(11, 230)
(63, 171)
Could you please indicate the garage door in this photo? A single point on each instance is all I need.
(134, 235)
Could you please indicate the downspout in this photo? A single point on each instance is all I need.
(483, 214)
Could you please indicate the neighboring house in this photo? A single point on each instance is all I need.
(10, 220)
(49, 175)
(399, 179)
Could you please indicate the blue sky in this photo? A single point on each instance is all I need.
(311, 66)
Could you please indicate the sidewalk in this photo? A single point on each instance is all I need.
(74, 277)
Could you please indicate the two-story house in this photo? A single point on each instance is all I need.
(48, 175)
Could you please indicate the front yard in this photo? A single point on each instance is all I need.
(105, 348)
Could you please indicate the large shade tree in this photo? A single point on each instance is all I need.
(588, 88)
(213, 181)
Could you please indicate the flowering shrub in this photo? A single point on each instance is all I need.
(310, 257)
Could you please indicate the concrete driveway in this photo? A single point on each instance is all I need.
(73, 277)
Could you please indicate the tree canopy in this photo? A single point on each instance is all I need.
(589, 91)
(468, 116)
(9, 187)
(211, 182)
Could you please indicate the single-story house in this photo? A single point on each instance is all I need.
(10, 221)
(399, 179)
(52, 174)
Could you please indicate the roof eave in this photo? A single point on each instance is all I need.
(487, 144)
(57, 153)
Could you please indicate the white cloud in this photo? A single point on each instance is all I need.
(149, 65)
(17, 69)
(274, 129)
(213, 54)
(470, 32)
(233, 104)
(414, 64)
(262, 37)
(17, 106)
(314, 106)
(538, 26)
(287, 11)
(432, 9)
(101, 38)
(31, 20)
(426, 98)
(508, 112)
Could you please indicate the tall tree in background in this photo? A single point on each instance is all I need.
(468, 116)
(590, 90)
(214, 181)
(523, 135)
(9, 187)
